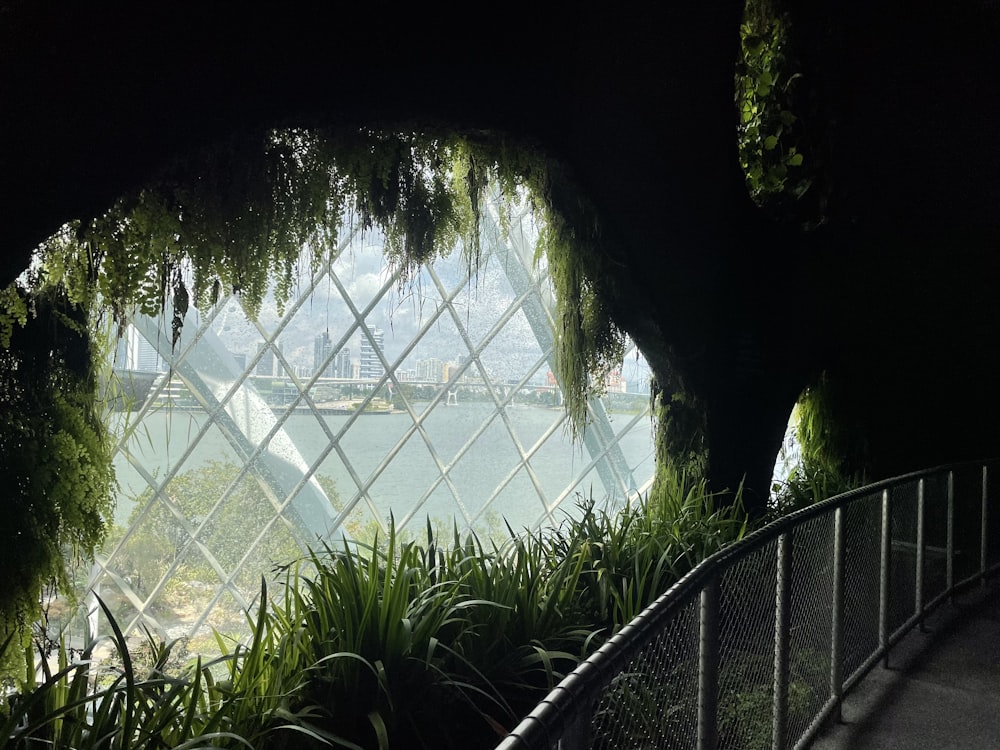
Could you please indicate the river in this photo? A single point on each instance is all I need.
(376, 470)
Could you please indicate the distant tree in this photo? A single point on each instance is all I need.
(160, 536)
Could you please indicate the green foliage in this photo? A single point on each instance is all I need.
(229, 509)
(746, 708)
(13, 312)
(55, 454)
(536, 628)
(833, 457)
(368, 646)
(589, 344)
(396, 623)
(635, 553)
(236, 216)
(771, 144)
(376, 637)
(137, 705)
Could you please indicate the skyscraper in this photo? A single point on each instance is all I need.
(430, 370)
(371, 345)
(321, 350)
(267, 363)
(342, 364)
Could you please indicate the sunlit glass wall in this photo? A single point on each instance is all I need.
(371, 399)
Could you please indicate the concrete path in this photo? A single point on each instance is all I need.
(941, 690)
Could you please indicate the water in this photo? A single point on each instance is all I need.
(384, 464)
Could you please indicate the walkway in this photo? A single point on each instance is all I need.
(941, 690)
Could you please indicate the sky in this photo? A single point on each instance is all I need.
(363, 273)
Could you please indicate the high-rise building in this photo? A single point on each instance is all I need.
(147, 359)
(268, 363)
(321, 350)
(371, 344)
(430, 370)
(342, 364)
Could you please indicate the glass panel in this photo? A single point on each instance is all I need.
(365, 399)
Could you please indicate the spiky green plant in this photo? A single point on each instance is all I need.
(534, 631)
(83, 705)
(367, 645)
(375, 636)
(632, 554)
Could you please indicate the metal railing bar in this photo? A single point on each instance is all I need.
(930, 606)
(782, 627)
(985, 532)
(884, 573)
(825, 713)
(918, 586)
(837, 612)
(950, 549)
(703, 581)
(862, 671)
(899, 544)
(908, 624)
(601, 666)
(708, 667)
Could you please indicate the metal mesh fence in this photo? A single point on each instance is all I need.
(936, 525)
(968, 527)
(746, 650)
(862, 553)
(902, 560)
(992, 519)
(652, 702)
(811, 618)
(756, 646)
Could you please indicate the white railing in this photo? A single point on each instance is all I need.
(757, 646)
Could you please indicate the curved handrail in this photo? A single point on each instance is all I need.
(566, 718)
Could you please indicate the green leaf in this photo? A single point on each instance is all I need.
(770, 142)
(794, 160)
(753, 44)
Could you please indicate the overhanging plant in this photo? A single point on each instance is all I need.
(235, 217)
(55, 455)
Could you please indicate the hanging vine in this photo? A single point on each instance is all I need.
(55, 454)
(777, 159)
(235, 218)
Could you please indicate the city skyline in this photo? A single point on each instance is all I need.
(434, 319)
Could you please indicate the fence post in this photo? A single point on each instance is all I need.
(984, 537)
(708, 667)
(782, 621)
(883, 597)
(950, 542)
(576, 735)
(837, 608)
(918, 593)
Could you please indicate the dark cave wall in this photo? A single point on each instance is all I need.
(639, 108)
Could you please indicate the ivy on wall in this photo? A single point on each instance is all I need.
(770, 132)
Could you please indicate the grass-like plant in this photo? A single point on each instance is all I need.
(632, 554)
(83, 705)
(372, 635)
(533, 630)
(370, 646)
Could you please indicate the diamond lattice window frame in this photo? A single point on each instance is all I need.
(270, 458)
